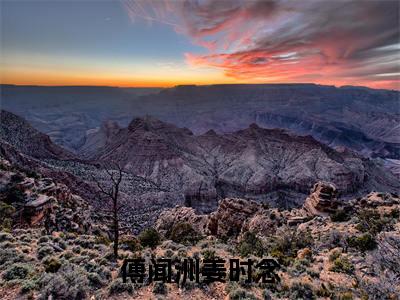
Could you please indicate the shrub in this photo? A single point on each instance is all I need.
(183, 233)
(118, 287)
(160, 288)
(363, 243)
(250, 244)
(31, 173)
(6, 237)
(14, 195)
(240, 294)
(334, 255)
(17, 271)
(6, 214)
(102, 240)
(69, 283)
(208, 254)
(51, 264)
(85, 241)
(371, 221)
(300, 290)
(394, 213)
(286, 244)
(76, 249)
(342, 265)
(131, 244)
(45, 251)
(340, 215)
(28, 285)
(300, 266)
(149, 238)
(345, 296)
(10, 256)
(95, 280)
(44, 239)
(16, 178)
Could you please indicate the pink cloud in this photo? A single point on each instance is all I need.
(335, 42)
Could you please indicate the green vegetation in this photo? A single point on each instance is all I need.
(342, 265)
(371, 221)
(250, 244)
(241, 294)
(363, 243)
(183, 233)
(208, 254)
(160, 288)
(17, 271)
(300, 290)
(118, 287)
(340, 215)
(51, 264)
(284, 246)
(149, 238)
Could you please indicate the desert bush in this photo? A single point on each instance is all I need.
(183, 233)
(31, 173)
(300, 290)
(16, 178)
(51, 264)
(90, 253)
(149, 238)
(6, 214)
(6, 237)
(208, 254)
(170, 245)
(119, 287)
(7, 245)
(342, 265)
(95, 280)
(14, 195)
(160, 288)
(131, 244)
(67, 254)
(168, 253)
(300, 266)
(363, 242)
(334, 255)
(102, 240)
(25, 238)
(345, 296)
(69, 283)
(371, 221)
(285, 245)
(17, 271)
(241, 294)
(85, 241)
(44, 239)
(76, 249)
(44, 250)
(384, 262)
(10, 256)
(340, 215)
(394, 213)
(28, 285)
(250, 244)
(182, 252)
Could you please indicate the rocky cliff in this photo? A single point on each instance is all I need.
(269, 165)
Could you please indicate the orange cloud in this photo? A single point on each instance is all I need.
(336, 42)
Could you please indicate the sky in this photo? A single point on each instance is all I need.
(167, 43)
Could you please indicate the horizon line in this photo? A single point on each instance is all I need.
(188, 85)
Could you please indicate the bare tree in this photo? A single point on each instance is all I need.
(111, 192)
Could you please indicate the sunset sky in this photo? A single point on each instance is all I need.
(166, 43)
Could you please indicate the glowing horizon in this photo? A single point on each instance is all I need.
(135, 43)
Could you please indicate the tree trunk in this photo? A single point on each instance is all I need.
(116, 230)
